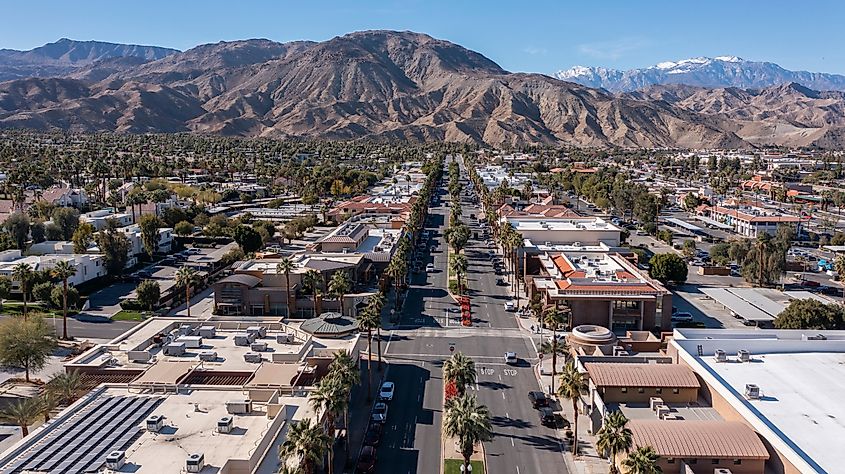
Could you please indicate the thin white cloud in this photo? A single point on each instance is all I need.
(533, 51)
(613, 49)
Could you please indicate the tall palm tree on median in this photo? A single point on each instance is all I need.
(458, 265)
(285, 266)
(185, 278)
(469, 422)
(614, 437)
(571, 385)
(307, 444)
(23, 273)
(64, 270)
(642, 461)
(459, 369)
(339, 285)
(376, 304)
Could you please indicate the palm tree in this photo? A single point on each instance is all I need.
(185, 277)
(643, 460)
(64, 270)
(377, 304)
(285, 266)
(23, 273)
(313, 280)
(66, 386)
(459, 369)
(330, 399)
(348, 374)
(339, 285)
(306, 444)
(397, 269)
(614, 437)
(571, 386)
(367, 321)
(458, 264)
(839, 266)
(516, 242)
(23, 413)
(469, 422)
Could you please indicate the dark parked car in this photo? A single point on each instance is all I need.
(367, 460)
(500, 282)
(551, 419)
(538, 399)
(373, 436)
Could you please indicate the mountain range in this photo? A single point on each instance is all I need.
(721, 71)
(390, 85)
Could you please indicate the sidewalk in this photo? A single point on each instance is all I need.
(359, 417)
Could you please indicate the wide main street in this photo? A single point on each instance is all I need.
(417, 347)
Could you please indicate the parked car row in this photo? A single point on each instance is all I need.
(548, 417)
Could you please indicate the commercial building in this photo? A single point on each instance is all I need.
(583, 230)
(602, 289)
(786, 385)
(624, 382)
(185, 395)
(88, 266)
(749, 221)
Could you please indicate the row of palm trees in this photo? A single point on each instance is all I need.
(25, 274)
(310, 445)
(61, 390)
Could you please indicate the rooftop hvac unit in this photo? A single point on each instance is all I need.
(743, 355)
(577, 244)
(752, 391)
(208, 356)
(662, 410)
(239, 407)
(284, 338)
(244, 339)
(191, 342)
(186, 330)
(258, 331)
(254, 357)
(207, 332)
(115, 460)
(258, 346)
(721, 356)
(174, 349)
(654, 402)
(195, 462)
(155, 423)
(224, 425)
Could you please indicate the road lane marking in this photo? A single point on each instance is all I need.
(517, 469)
(503, 396)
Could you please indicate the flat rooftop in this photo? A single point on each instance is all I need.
(801, 378)
(556, 224)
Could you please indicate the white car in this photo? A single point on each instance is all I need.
(510, 358)
(429, 268)
(386, 391)
(509, 306)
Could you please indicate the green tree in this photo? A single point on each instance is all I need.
(643, 460)
(66, 386)
(5, 289)
(115, 247)
(52, 232)
(42, 292)
(614, 437)
(183, 228)
(368, 320)
(571, 385)
(459, 369)
(37, 232)
(62, 271)
(57, 297)
(23, 413)
(330, 400)
(17, 225)
(67, 218)
(186, 277)
(25, 343)
(458, 265)
(469, 422)
(247, 238)
(150, 225)
(82, 237)
(339, 285)
(23, 274)
(149, 293)
(668, 267)
(811, 314)
(688, 248)
(306, 444)
(345, 369)
(720, 253)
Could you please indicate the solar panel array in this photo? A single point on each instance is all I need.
(82, 442)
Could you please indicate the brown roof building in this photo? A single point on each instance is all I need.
(703, 446)
(637, 383)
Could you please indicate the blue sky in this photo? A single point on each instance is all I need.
(531, 36)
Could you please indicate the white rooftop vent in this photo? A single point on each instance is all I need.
(752, 391)
(115, 460)
(195, 462)
(239, 407)
(225, 424)
(743, 355)
(721, 356)
(155, 423)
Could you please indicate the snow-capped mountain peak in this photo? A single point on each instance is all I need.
(719, 71)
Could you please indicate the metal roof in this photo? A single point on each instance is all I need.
(611, 374)
(739, 306)
(698, 439)
(242, 279)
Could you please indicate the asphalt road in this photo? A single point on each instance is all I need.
(419, 345)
